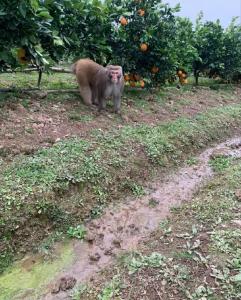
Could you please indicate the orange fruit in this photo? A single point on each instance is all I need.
(179, 73)
(137, 77)
(141, 12)
(185, 81)
(123, 21)
(132, 83)
(126, 77)
(154, 69)
(183, 75)
(131, 76)
(142, 83)
(143, 47)
(21, 54)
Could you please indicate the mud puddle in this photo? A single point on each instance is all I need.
(121, 227)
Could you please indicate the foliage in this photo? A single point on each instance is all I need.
(219, 50)
(135, 34)
(209, 44)
(144, 43)
(77, 232)
(232, 53)
(42, 31)
(23, 25)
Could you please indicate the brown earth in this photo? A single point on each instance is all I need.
(30, 122)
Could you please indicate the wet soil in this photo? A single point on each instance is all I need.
(122, 227)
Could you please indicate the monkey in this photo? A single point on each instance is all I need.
(96, 83)
(109, 82)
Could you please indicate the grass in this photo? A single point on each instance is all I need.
(29, 80)
(199, 258)
(75, 178)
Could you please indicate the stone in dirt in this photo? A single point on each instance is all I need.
(108, 251)
(90, 237)
(117, 243)
(94, 257)
(237, 222)
(235, 145)
(64, 284)
(238, 194)
(222, 152)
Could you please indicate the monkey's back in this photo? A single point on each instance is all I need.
(86, 69)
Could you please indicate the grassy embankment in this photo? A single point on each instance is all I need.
(195, 254)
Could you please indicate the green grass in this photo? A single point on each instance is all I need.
(29, 80)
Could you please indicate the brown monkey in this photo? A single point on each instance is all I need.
(109, 82)
(97, 82)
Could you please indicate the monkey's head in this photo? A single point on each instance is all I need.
(114, 73)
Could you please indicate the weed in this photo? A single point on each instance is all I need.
(153, 202)
(110, 290)
(78, 291)
(78, 117)
(138, 261)
(136, 189)
(77, 232)
(192, 161)
(219, 164)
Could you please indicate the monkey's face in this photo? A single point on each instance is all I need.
(114, 76)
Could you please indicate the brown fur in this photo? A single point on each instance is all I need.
(85, 71)
(97, 82)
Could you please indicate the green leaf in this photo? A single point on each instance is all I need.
(44, 13)
(2, 13)
(34, 4)
(22, 9)
(236, 278)
(58, 41)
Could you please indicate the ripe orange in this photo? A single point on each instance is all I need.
(179, 73)
(185, 81)
(123, 21)
(132, 83)
(141, 12)
(143, 47)
(137, 77)
(21, 54)
(154, 69)
(126, 77)
(142, 84)
(131, 76)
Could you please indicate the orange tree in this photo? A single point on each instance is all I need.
(23, 24)
(209, 42)
(142, 38)
(232, 53)
(185, 44)
(83, 26)
(45, 31)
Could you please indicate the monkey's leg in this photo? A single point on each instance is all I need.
(117, 104)
(94, 99)
(102, 104)
(86, 94)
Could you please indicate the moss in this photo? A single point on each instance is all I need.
(19, 279)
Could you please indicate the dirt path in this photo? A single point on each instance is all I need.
(122, 227)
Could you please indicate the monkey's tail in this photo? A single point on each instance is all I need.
(73, 68)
